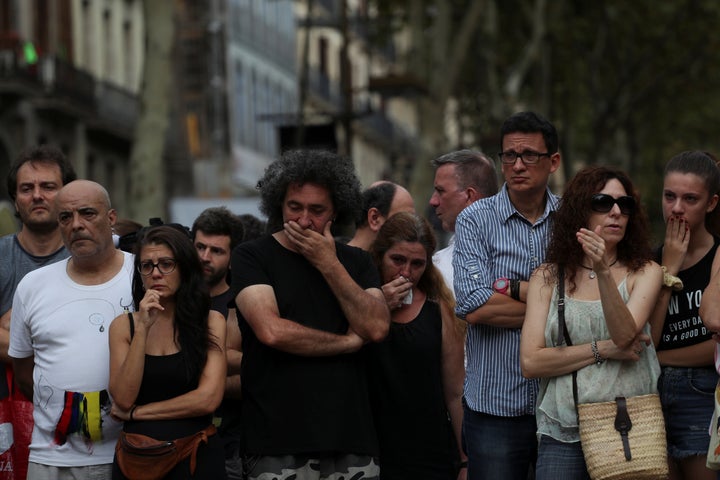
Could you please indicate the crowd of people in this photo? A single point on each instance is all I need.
(242, 349)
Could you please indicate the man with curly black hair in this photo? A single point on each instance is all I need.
(306, 305)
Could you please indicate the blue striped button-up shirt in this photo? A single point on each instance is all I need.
(492, 240)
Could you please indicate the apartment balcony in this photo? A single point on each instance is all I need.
(57, 87)
(382, 131)
(117, 109)
(51, 83)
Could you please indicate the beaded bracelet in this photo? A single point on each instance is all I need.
(596, 353)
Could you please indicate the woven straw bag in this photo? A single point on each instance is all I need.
(606, 452)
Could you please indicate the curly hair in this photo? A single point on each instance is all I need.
(192, 300)
(705, 166)
(220, 221)
(46, 154)
(408, 227)
(634, 249)
(320, 167)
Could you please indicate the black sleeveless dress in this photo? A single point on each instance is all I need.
(406, 392)
(164, 378)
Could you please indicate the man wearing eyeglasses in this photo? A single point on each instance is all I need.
(59, 339)
(500, 240)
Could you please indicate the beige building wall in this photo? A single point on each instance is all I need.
(108, 40)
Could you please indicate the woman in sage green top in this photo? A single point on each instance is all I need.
(600, 237)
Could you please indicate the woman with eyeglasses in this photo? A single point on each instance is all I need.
(167, 358)
(600, 245)
(685, 346)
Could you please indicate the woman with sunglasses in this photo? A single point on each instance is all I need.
(685, 347)
(167, 358)
(600, 244)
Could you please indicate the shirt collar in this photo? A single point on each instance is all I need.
(506, 209)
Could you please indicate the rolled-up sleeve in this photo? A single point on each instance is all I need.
(471, 261)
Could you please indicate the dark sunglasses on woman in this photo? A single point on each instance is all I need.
(603, 203)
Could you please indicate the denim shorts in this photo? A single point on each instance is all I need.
(687, 401)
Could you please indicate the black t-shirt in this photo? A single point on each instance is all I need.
(296, 404)
(220, 303)
(683, 326)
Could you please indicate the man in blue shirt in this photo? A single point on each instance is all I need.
(500, 240)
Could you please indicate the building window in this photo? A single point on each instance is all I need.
(129, 53)
(108, 57)
(240, 107)
(323, 55)
(87, 35)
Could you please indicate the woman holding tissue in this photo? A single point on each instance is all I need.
(416, 374)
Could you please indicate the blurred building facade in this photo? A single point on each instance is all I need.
(251, 78)
(69, 75)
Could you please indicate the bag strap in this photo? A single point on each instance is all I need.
(623, 424)
(132, 325)
(563, 334)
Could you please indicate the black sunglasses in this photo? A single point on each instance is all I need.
(603, 203)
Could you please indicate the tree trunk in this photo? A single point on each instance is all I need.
(147, 182)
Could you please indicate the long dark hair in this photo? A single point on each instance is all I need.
(634, 249)
(192, 300)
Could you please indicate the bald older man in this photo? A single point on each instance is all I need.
(59, 339)
(381, 200)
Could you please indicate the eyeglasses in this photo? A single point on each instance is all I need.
(165, 266)
(603, 203)
(528, 157)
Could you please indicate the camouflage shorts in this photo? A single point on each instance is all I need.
(308, 467)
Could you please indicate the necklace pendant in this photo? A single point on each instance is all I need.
(592, 275)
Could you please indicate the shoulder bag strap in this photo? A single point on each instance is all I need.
(132, 325)
(563, 334)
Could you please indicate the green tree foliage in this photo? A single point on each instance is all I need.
(629, 84)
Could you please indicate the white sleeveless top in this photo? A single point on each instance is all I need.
(556, 416)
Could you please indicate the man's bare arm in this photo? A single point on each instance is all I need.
(258, 306)
(233, 344)
(366, 310)
(5, 337)
(499, 311)
(23, 370)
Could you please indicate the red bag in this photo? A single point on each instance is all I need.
(7, 447)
